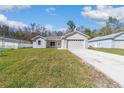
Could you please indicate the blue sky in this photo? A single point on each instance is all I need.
(56, 17)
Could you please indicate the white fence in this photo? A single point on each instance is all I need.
(23, 45)
(13, 43)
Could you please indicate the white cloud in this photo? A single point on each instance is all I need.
(61, 29)
(49, 27)
(15, 24)
(51, 11)
(2, 18)
(101, 13)
(13, 7)
(11, 23)
(52, 28)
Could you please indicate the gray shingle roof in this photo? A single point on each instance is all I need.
(47, 38)
(14, 40)
(111, 36)
(59, 37)
(53, 38)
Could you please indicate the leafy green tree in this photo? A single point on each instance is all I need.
(105, 31)
(88, 32)
(113, 23)
(71, 25)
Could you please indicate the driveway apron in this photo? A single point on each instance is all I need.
(111, 65)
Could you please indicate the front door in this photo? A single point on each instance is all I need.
(52, 44)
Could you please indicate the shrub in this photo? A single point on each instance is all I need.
(3, 52)
(90, 47)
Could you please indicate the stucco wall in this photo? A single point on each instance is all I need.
(43, 43)
(63, 43)
(86, 43)
(76, 36)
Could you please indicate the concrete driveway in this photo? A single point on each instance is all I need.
(109, 64)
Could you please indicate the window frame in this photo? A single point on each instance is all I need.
(52, 44)
(39, 42)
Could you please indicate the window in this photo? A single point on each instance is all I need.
(39, 42)
(52, 43)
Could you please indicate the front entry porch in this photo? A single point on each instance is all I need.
(53, 44)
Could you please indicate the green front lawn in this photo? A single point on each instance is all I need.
(43, 68)
(48, 68)
(111, 50)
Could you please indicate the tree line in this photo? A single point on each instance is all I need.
(112, 25)
(26, 33)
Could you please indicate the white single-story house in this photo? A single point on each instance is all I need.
(14, 43)
(115, 40)
(72, 40)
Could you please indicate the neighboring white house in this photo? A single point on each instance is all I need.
(115, 40)
(74, 40)
(14, 43)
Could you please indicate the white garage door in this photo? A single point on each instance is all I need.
(75, 44)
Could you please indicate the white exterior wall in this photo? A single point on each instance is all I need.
(119, 41)
(93, 44)
(43, 43)
(101, 43)
(119, 44)
(63, 43)
(86, 43)
(77, 36)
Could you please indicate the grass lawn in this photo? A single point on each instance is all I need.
(45, 68)
(111, 50)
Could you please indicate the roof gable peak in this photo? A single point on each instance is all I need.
(74, 32)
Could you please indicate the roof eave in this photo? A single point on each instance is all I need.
(39, 36)
(98, 39)
(71, 33)
(53, 39)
